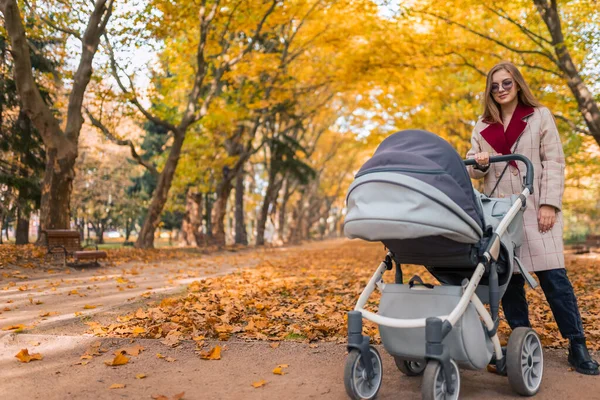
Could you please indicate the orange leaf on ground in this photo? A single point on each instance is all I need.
(139, 330)
(260, 383)
(140, 376)
(25, 357)
(120, 359)
(274, 345)
(177, 396)
(88, 307)
(13, 327)
(213, 354)
(278, 371)
(117, 386)
(132, 351)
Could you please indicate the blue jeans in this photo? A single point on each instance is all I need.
(560, 296)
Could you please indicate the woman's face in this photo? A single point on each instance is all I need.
(504, 87)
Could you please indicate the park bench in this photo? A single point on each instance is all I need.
(65, 243)
(591, 241)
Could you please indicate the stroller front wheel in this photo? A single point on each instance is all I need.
(434, 385)
(525, 361)
(357, 383)
(410, 368)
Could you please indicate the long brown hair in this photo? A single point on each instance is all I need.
(491, 110)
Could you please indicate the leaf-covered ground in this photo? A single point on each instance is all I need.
(31, 256)
(305, 296)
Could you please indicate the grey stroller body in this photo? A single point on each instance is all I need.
(415, 196)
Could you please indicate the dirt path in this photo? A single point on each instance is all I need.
(313, 373)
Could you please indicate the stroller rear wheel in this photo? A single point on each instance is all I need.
(524, 361)
(435, 383)
(358, 385)
(410, 368)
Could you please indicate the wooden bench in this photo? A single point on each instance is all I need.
(67, 243)
(592, 241)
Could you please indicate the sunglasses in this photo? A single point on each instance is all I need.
(506, 85)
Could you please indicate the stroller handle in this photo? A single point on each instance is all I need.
(527, 180)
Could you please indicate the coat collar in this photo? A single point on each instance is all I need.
(503, 141)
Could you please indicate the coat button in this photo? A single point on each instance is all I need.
(515, 172)
(497, 174)
(501, 196)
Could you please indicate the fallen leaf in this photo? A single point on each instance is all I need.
(140, 376)
(275, 345)
(14, 327)
(117, 386)
(212, 354)
(139, 330)
(132, 351)
(88, 307)
(158, 355)
(260, 383)
(25, 357)
(278, 371)
(120, 359)
(171, 359)
(178, 396)
(48, 313)
(78, 313)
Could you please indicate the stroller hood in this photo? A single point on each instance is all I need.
(415, 185)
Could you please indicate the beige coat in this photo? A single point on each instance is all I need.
(540, 143)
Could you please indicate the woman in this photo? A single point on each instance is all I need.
(514, 122)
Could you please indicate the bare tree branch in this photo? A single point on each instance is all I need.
(572, 124)
(491, 39)
(53, 25)
(91, 40)
(130, 93)
(113, 138)
(537, 39)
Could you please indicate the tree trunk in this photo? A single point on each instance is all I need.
(270, 198)
(56, 190)
(99, 231)
(287, 193)
(145, 239)
(1, 226)
(6, 226)
(241, 237)
(207, 217)
(191, 227)
(61, 147)
(219, 210)
(22, 231)
(585, 99)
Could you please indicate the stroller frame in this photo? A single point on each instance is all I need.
(437, 328)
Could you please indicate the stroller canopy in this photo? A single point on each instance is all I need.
(415, 185)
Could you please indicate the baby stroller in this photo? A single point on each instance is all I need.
(416, 197)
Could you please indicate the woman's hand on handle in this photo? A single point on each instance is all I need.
(546, 218)
(482, 159)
